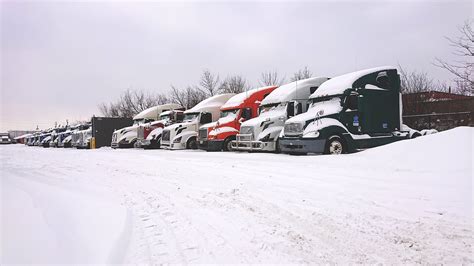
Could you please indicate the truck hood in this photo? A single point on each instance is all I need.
(322, 109)
(182, 124)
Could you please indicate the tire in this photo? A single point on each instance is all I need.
(228, 144)
(335, 146)
(277, 146)
(191, 144)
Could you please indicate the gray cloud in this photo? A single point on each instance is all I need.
(59, 60)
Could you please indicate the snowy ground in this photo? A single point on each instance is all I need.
(409, 202)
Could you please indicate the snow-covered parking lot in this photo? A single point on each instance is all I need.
(408, 202)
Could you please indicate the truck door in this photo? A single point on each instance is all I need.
(379, 111)
(350, 116)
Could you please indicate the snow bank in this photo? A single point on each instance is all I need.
(46, 224)
(403, 203)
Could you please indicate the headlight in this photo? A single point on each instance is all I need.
(177, 140)
(246, 130)
(293, 129)
(266, 138)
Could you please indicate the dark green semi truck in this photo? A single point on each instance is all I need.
(354, 111)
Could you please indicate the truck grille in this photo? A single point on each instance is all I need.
(246, 131)
(165, 135)
(203, 134)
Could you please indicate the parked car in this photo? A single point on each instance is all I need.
(219, 135)
(354, 111)
(262, 133)
(184, 135)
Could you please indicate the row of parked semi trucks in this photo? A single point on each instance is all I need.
(336, 115)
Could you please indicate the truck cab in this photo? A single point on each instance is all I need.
(149, 135)
(354, 111)
(262, 133)
(184, 135)
(77, 136)
(127, 136)
(238, 109)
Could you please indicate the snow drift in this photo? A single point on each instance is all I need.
(407, 202)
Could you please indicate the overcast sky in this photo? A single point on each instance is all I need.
(60, 60)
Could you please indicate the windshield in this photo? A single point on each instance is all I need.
(271, 108)
(229, 113)
(323, 100)
(138, 121)
(190, 117)
(165, 117)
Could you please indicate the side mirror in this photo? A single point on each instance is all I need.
(179, 117)
(205, 118)
(299, 108)
(247, 113)
(290, 109)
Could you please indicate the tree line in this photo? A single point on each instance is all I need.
(132, 102)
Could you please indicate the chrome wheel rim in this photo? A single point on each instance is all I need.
(335, 147)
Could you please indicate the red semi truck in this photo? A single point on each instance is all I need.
(218, 136)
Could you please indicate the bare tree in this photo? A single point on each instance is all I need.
(462, 68)
(209, 83)
(188, 97)
(271, 78)
(234, 84)
(414, 81)
(301, 74)
(131, 102)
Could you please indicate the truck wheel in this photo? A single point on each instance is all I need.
(335, 145)
(191, 144)
(228, 144)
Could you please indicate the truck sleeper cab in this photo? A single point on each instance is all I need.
(149, 135)
(126, 137)
(184, 135)
(241, 107)
(354, 111)
(262, 133)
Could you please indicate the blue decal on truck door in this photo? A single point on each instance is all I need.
(355, 122)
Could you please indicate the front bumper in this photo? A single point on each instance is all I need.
(122, 144)
(173, 146)
(211, 145)
(143, 143)
(253, 145)
(302, 145)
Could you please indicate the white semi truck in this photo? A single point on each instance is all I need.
(127, 136)
(149, 134)
(184, 135)
(261, 133)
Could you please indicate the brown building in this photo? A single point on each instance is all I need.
(438, 110)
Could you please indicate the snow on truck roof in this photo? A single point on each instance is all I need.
(215, 101)
(154, 111)
(240, 98)
(292, 91)
(339, 84)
